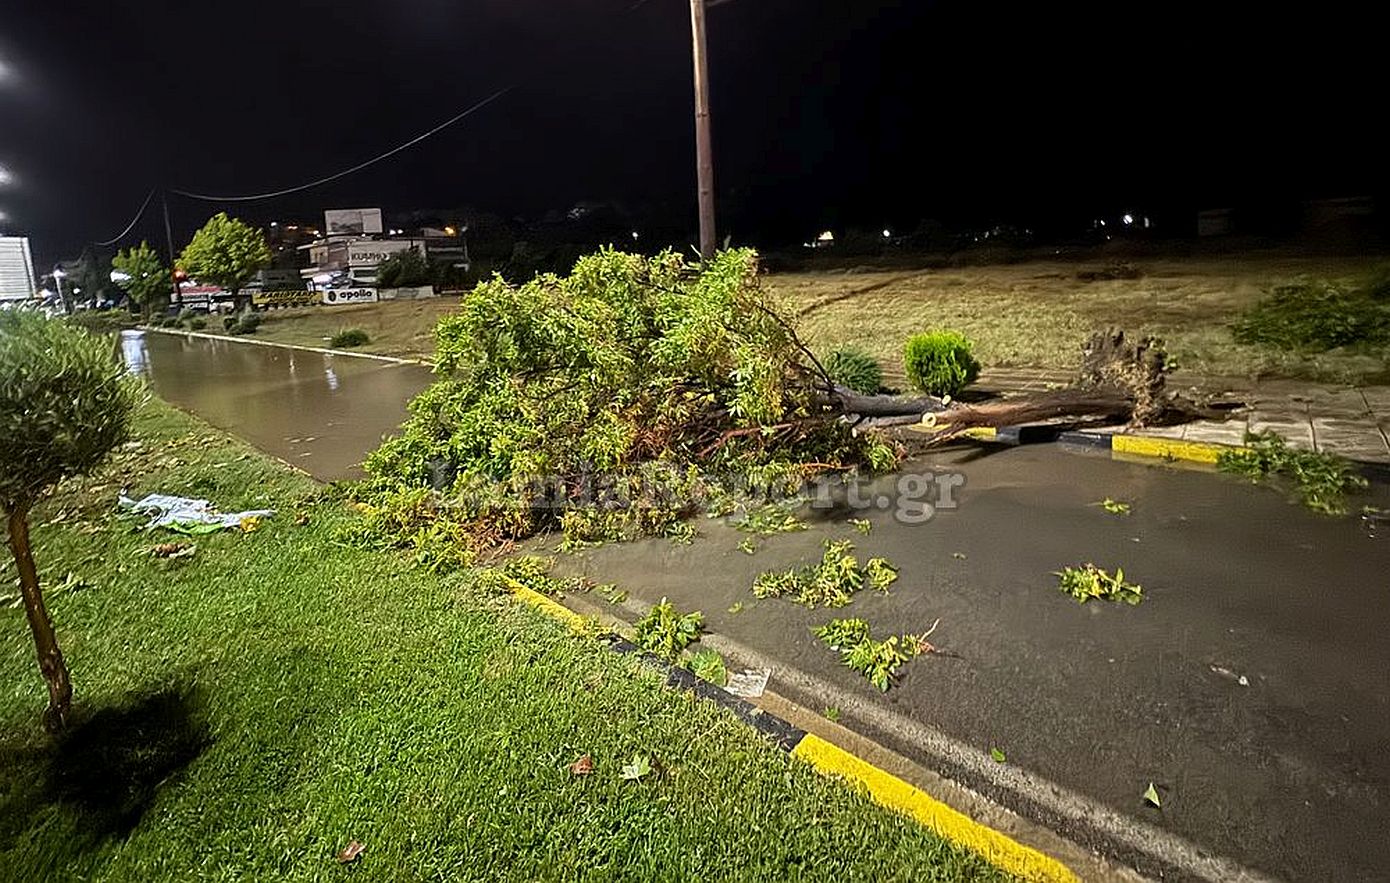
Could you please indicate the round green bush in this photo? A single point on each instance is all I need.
(853, 367)
(197, 323)
(229, 323)
(939, 363)
(349, 337)
(247, 323)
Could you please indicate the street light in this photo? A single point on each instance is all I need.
(58, 277)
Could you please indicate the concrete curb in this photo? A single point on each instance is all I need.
(831, 759)
(1122, 443)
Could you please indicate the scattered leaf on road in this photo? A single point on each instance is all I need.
(998, 755)
(350, 852)
(960, 555)
(639, 767)
(583, 766)
(1151, 796)
(1114, 507)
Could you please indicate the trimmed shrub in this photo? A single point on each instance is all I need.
(229, 323)
(350, 337)
(247, 323)
(186, 315)
(197, 323)
(853, 367)
(939, 362)
(1312, 316)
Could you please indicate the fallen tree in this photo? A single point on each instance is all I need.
(602, 403)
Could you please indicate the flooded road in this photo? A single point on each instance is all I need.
(320, 412)
(1252, 685)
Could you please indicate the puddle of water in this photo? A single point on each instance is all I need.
(320, 412)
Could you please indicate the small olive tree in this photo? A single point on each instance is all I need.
(65, 403)
(144, 278)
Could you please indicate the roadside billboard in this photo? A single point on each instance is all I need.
(287, 298)
(352, 221)
(16, 269)
(339, 297)
(370, 252)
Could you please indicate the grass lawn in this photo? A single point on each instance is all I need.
(400, 328)
(1032, 315)
(1036, 315)
(244, 713)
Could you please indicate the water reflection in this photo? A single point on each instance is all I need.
(323, 422)
(133, 352)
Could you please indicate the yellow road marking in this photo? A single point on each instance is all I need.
(1001, 851)
(549, 606)
(1199, 452)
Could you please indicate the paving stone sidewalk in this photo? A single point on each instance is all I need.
(1350, 421)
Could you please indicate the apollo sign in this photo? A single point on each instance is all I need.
(338, 297)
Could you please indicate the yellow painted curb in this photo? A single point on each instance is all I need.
(548, 606)
(1001, 851)
(1146, 446)
(980, 433)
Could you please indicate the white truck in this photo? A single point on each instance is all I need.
(17, 280)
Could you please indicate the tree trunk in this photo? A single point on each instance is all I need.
(51, 665)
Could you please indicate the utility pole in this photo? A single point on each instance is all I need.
(169, 243)
(704, 151)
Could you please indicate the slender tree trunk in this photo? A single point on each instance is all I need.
(51, 664)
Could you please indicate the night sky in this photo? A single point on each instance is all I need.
(825, 113)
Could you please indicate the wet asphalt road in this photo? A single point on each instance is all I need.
(1288, 773)
(320, 412)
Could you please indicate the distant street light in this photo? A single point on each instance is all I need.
(58, 277)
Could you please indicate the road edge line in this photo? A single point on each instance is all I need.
(203, 335)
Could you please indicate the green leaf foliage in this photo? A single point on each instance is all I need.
(149, 282)
(851, 366)
(878, 661)
(1321, 481)
(404, 269)
(831, 582)
(708, 665)
(665, 632)
(65, 403)
(350, 337)
(1089, 581)
(642, 375)
(225, 252)
(939, 362)
(1314, 317)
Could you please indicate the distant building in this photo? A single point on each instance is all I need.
(1215, 222)
(17, 279)
(351, 261)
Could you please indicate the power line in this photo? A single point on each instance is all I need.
(133, 221)
(206, 197)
